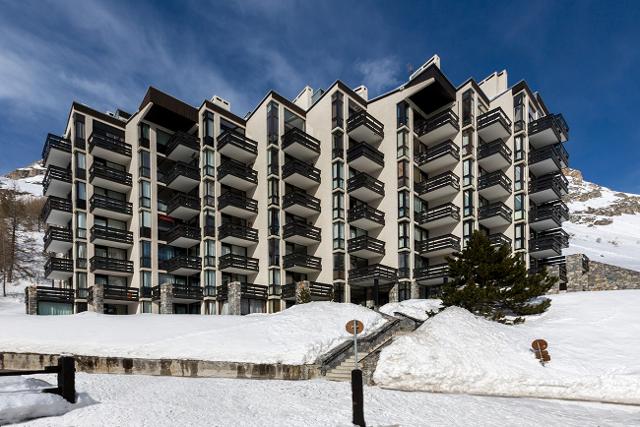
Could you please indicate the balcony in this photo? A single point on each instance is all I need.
(301, 263)
(182, 147)
(548, 216)
(365, 247)
(364, 158)
(181, 177)
(494, 155)
(363, 127)
(51, 294)
(495, 215)
(372, 274)
(109, 236)
(237, 146)
(181, 236)
(56, 182)
(499, 239)
(238, 235)
(442, 156)
(365, 217)
(57, 211)
(548, 244)
(58, 240)
(301, 234)
(300, 145)
(300, 174)
(239, 264)
(365, 188)
(182, 265)
(301, 204)
(439, 216)
(120, 293)
(547, 188)
(237, 175)
(317, 291)
(440, 186)
(180, 293)
(183, 207)
(237, 205)
(56, 151)
(110, 266)
(110, 178)
(432, 275)
(109, 147)
(439, 246)
(438, 128)
(548, 159)
(113, 208)
(547, 130)
(494, 125)
(247, 290)
(58, 268)
(494, 185)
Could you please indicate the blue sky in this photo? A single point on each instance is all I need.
(582, 56)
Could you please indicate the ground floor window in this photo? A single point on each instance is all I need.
(116, 309)
(47, 308)
(250, 305)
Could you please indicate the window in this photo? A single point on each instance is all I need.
(532, 113)
(518, 175)
(209, 253)
(467, 231)
(467, 108)
(467, 142)
(81, 255)
(272, 123)
(272, 161)
(338, 146)
(143, 135)
(144, 164)
(81, 164)
(274, 222)
(337, 110)
(518, 205)
(208, 125)
(519, 237)
(145, 194)
(402, 144)
(403, 204)
(210, 278)
(81, 194)
(209, 193)
(81, 225)
(403, 173)
(145, 224)
(146, 307)
(338, 206)
(419, 205)
(274, 277)
(404, 268)
(145, 256)
(274, 191)
(518, 112)
(467, 172)
(145, 279)
(338, 266)
(80, 129)
(467, 202)
(402, 116)
(419, 235)
(338, 235)
(518, 145)
(338, 175)
(209, 160)
(403, 235)
(274, 252)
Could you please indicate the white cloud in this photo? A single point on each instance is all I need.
(379, 74)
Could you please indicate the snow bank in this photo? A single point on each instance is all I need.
(295, 336)
(593, 343)
(416, 308)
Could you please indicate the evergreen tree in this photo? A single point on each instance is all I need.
(493, 283)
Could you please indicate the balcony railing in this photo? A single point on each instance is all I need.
(555, 240)
(230, 137)
(556, 211)
(300, 229)
(438, 271)
(240, 231)
(363, 149)
(499, 239)
(487, 149)
(98, 201)
(363, 118)
(122, 293)
(437, 121)
(181, 261)
(295, 166)
(58, 264)
(230, 167)
(363, 180)
(110, 264)
(238, 201)
(55, 142)
(558, 183)
(182, 138)
(491, 179)
(55, 173)
(187, 292)
(443, 149)
(366, 243)
(237, 261)
(247, 290)
(555, 122)
(363, 211)
(182, 200)
(168, 175)
(109, 142)
(51, 294)
(102, 232)
(448, 241)
(495, 209)
(57, 233)
(297, 136)
(98, 170)
(57, 204)
(373, 272)
(318, 291)
(302, 260)
(556, 152)
(448, 210)
(179, 231)
(497, 115)
(301, 198)
(446, 179)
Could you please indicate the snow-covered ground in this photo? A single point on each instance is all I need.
(31, 186)
(416, 308)
(594, 343)
(164, 401)
(295, 336)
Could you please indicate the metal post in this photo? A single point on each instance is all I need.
(355, 344)
(357, 398)
(67, 378)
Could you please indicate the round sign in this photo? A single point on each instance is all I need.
(359, 327)
(539, 345)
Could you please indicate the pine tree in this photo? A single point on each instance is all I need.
(494, 283)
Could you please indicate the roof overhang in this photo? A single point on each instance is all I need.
(437, 92)
(168, 112)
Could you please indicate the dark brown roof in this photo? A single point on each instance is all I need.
(81, 108)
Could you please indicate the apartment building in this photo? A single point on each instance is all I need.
(193, 209)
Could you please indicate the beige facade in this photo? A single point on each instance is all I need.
(362, 198)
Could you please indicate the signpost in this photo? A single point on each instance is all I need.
(539, 347)
(355, 327)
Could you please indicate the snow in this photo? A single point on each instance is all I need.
(31, 186)
(416, 308)
(593, 343)
(296, 336)
(165, 401)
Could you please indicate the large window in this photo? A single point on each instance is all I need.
(519, 240)
(338, 266)
(145, 224)
(274, 222)
(338, 146)
(404, 267)
(403, 235)
(467, 142)
(467, 202)
(274, 191)
(518, 206)
(467, 108)
(402, 144)
(81, 225)
(272, 123)
(338, 206)
(337, 110)
(274, 252)
(403, 173)
(145, 255)
(518, 148)
(81, 255)
(145, 194)
(209, 163)
(338, 175)
(467, 230)
(518, 112)
(338, 235)
(467, 172)
(403, 204)
(208, 124)
(402, 114)
(144, 164)
(272, 161)
(518, 177)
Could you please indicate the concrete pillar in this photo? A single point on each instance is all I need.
(234, 295)
(393, 293)
(166, 298)
(346, 293)
(302, 287)
(31, 295)
(415, 290)
(96, 304)
(577, 278)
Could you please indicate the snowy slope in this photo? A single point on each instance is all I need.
(593, 343)
(26, 181)
(604, 224)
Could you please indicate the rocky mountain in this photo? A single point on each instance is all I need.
(26, 181)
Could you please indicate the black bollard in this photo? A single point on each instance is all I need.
(357, 398)
(67, 378)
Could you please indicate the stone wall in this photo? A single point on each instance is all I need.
(594, 276)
